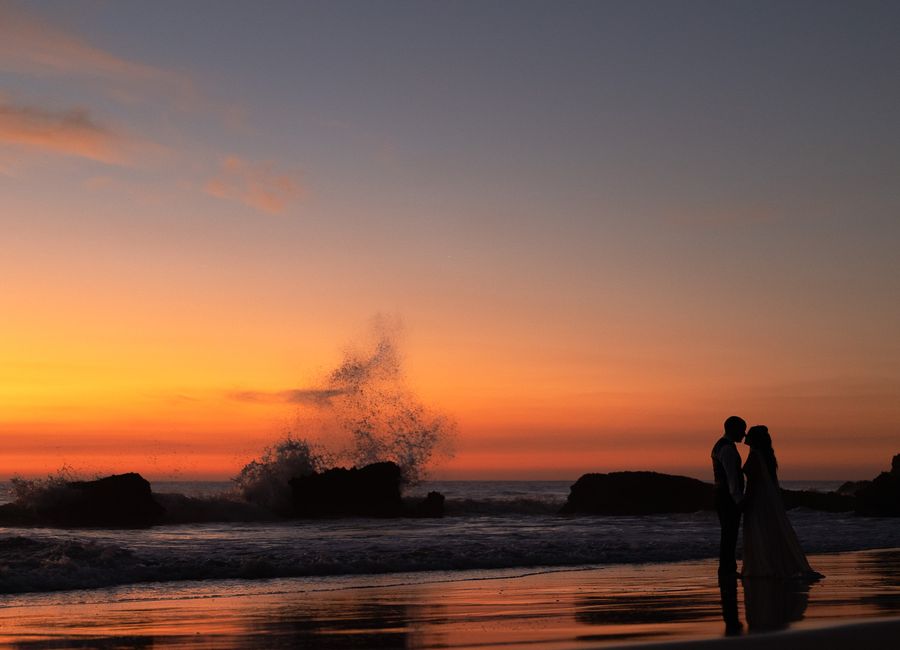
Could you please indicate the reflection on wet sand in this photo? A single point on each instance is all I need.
(621, 616)
(374, 624)
(728, 596)
(546, 611)
(286, 621)
(887, 569)
(642, 608)
(771, 604)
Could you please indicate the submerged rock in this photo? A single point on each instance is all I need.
(637, 493)
(119, 501)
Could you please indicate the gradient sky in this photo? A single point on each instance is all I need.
(605, 226)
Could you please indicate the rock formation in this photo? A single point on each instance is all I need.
(119, 501)
(370, 491)
(644, 493)
(637, 493)
(825, 501)
(881, 497)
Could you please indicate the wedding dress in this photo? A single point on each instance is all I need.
(771, 548)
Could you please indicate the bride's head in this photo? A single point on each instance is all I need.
(758, 439)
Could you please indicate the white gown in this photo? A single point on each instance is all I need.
(771, 548)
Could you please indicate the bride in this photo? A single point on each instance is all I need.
(771, 548)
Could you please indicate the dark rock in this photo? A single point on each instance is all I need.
(637, 493)
(431, 506)
(13, 514)
(881, 497)
(119, 501)
(825, 501)
(641, 493)
(370, 491)
(850, 488)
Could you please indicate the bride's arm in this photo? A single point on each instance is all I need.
(751, 468)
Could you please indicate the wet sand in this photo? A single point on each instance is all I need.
(679, 605)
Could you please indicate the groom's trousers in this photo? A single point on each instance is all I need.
(730, 521)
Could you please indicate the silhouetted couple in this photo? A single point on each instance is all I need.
(771, 548)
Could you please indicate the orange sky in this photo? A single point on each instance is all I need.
(593, 266)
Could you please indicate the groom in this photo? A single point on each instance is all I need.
(729, 491)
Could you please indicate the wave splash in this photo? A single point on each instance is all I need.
(367, 403)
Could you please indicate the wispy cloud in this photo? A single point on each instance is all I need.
(357, 374)
(257, 185)
(72, 132)
(45, 51)
(33, 45)
(318, 397)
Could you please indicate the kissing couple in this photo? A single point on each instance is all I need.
(771, 548)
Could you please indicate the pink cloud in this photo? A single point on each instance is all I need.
(72, 133)
(256, 185)
(32, 45)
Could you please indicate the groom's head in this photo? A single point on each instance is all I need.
(735, 428)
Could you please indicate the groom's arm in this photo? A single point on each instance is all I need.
(731, 461)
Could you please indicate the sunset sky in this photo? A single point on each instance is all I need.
(604, 227)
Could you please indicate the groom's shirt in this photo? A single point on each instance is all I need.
(727, 468)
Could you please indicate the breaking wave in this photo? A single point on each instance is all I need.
(370, 416)
(46, 559)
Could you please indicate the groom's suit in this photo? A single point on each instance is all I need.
(729, 495)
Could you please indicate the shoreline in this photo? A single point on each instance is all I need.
(669, 605)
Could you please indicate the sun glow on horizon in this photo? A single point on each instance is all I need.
(601, 242)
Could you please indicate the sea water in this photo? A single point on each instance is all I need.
(490, 526)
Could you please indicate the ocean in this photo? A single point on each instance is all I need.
(490, 527)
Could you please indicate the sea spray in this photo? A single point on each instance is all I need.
(376, 417)
(42, 493)
(264, 481)
(386, 421)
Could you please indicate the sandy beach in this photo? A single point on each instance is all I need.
(676, 605)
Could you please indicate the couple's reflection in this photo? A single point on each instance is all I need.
(769, 603)
(728, 593)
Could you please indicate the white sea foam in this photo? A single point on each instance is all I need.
(38, 559)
